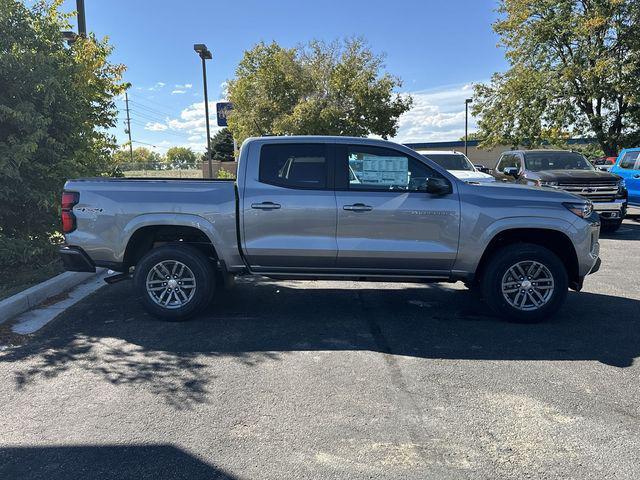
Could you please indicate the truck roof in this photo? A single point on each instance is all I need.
(319, 139)
(438, 152)
(544, 150)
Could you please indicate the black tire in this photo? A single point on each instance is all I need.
(498, 266)
(201, 269)
(610, 226)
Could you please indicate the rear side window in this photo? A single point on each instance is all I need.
(630, 161)
(298, 165)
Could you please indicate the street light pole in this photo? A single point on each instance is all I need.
(466, 125)
(82, 22)
(205, 54)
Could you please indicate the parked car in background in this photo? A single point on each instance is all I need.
(571, 172)
(604, 164)
(458, 164)
(482, 168)
(336, 208)
(628, 167)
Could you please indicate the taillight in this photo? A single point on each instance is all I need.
(69, 199)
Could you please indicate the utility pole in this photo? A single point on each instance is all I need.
(126, 101)
(82, 21)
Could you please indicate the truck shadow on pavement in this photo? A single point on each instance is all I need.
(104, 462)
(259, 321)
(629, 230)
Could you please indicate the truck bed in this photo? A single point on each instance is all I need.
(111, 209)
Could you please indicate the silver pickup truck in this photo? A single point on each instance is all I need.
(332, 208)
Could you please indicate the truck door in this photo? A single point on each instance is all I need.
(289, 208)
(628, 167)
(387, 222)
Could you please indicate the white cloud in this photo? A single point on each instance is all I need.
(224, 89)
(156, 87)
(180, 89)
(436, 115)
(191, 123)
(155, 126)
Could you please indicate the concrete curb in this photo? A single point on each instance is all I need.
(32, 297)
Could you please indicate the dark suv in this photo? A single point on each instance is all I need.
(569, 171)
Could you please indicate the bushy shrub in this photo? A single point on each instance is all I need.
(56, 104)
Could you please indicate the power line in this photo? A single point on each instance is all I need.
(167, 132)
(151, 144)
(148, 116)
(149, 109)
(154, 101)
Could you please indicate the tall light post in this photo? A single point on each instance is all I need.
(466, 125)
(205, 54)
(82, 21)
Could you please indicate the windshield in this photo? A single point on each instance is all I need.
(450, 161)
(536, 161)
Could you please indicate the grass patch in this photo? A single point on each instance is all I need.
(19, 279)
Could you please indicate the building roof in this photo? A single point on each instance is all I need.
(474, 143)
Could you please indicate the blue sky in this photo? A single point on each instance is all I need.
(438, 48)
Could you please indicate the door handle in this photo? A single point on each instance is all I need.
(265, 206)
(637, 175)
(358, 207)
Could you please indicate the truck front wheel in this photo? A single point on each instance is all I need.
(174, 282)
(524, 283)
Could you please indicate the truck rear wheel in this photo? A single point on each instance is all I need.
(525, 283)
(175, 282)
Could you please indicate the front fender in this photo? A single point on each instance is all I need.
(475, 240)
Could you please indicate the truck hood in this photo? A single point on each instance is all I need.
(514, 191)
(574, 176)
(469, 176)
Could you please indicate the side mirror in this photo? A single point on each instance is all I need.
(511, 172)
(438, 186)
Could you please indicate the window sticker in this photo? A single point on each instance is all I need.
(377, 170)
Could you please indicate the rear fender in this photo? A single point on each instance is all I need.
(168, 219)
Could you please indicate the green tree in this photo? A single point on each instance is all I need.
(56, 104)
(222, 146)
(143, 159)
(180, 158)
(323, 89)
(574, 70)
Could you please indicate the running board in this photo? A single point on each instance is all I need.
(117, 278)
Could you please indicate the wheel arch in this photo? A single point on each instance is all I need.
(143, 234)
(554, 240)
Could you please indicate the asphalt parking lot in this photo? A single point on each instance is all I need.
(332, 380)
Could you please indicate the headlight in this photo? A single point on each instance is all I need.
(583, 210)
(621, 185)
(547, 184)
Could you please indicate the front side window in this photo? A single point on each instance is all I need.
(375, 168)
(297, 165)
(508, 160)
(537, 161)
(630, 161)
